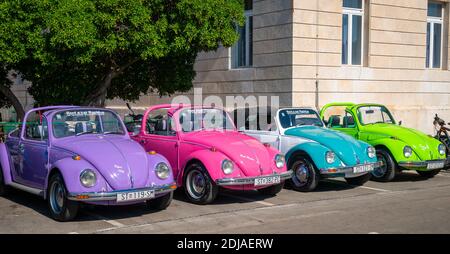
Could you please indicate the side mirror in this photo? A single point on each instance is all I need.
(400, 122)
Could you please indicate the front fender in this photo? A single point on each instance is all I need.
(212, 162)
(316, 152)
(5, 163)
(395, 147)
(70, 170)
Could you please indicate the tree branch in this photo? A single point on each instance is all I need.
(5, 90)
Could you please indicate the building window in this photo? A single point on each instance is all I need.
(352, 32)
(242, 51)
(434, 35)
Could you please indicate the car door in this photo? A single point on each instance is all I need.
(160, 137)
(12, 143)
(33, 151)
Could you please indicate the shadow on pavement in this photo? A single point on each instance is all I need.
(87, 212)
(410, 176)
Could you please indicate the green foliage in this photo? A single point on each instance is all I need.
(71, 47)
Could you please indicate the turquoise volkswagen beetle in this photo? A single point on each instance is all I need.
(313, 152)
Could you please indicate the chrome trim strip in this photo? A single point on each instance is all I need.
(349, 169)
(112, 196)
(419, 164)
(250, 180)
(25, 188)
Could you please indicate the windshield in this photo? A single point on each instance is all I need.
(204, 119)
(85, 121)
(374, 114)
(299, 117)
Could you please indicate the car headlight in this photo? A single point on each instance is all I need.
(162, 170)
(330, 157)
(407, 151)
(441, 149)
(371, 152)
(227, 166)
(88, 178)
(279, 160)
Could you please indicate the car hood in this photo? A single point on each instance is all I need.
(421, 143)
(348, 149)
(122, 162)
(252, 157)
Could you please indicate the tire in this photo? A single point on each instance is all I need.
(271, 190)
(160, 203)
(3, 187)
(61, 209)
(305, 177)
(359, 180)
(386, 172)
(429, 174)
(198, 186)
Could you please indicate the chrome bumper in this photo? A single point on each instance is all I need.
(112, 195)
(250, 180)
(420, 164)
(349, 170)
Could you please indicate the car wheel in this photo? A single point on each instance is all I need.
(160, 203)
(305, 177)
(386, 172)
(198, 186)
(359, 180)
(61, 208)
(271, 190)
(429, 174)
(3, 187)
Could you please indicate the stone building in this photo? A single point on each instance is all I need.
(312, 52)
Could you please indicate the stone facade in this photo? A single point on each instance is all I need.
(297, 56)
(297, 48)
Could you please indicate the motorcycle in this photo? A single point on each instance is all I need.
(442, 135)
(133, 121)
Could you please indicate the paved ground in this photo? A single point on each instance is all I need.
(410, 204)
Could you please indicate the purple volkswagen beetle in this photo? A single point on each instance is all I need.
(70, 154)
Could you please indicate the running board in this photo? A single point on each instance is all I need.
(31, 190)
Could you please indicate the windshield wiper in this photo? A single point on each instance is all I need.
(84, 132)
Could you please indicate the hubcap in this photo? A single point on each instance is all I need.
(301, 175)
(380, 171)
(57, 195)
(196, 184)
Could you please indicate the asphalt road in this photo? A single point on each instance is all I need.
(410, 204)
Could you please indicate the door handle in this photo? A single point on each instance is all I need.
(143, 141)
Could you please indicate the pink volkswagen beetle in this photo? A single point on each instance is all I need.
(205, 151)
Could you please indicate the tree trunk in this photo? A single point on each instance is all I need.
(14, 101)
(98, 97)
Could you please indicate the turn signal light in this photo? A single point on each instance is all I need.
(213, 149)
(82, 196)
(152, 152)
(76, 157)
(332, 170)
(174, 186)
(266, 144)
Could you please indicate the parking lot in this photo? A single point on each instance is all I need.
(409, 204)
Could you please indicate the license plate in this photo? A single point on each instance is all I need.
(435, 165)
(363, 168)
(267, 180)
(135, 195)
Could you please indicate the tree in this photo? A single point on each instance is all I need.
(17, 26)
(87, 51)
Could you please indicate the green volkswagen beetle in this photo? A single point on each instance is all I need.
(399, 148)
